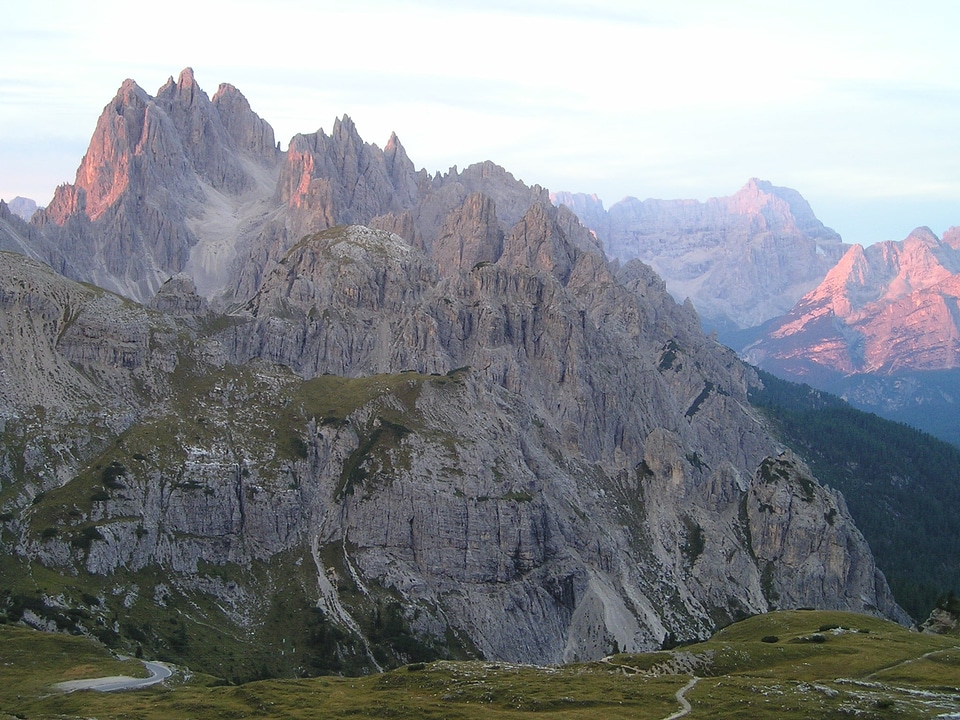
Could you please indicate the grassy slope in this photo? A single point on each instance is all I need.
(864, 667)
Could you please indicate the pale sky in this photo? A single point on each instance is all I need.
(855, 104)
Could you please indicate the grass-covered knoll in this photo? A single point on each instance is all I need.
(804, 664)
(796, 664)
(284, 634)
(149, 611)
(902, 486)
(31, 661)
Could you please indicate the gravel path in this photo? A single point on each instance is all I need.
(681, 698)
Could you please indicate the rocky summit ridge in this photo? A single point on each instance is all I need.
(179, 182)
(432, 421)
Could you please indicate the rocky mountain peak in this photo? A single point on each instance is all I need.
(752, 196)
(184, 91)
(742, 259)
(393, 144)
(922, 236)
(22, 207)
(397, 160)
(539, 243)
(345, 131)
(129, 93)
(781, 207)
(951, 238)
(886, 308)
(588, 207)
(178, 297)
(105, 171)
(339, 179)
(208, 146)
(249, 132)
(140, 201)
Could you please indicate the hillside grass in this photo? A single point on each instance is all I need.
(32, 661)
(822, 665)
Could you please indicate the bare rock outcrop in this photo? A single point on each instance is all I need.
(469, 236)
(786, 508)
(178, 297)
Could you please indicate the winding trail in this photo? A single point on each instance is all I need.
(685, 706)
(158, 673)
(908, 661)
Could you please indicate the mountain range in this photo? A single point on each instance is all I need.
(147, 203)
(330, 413)
(179, 182)
(876, 325)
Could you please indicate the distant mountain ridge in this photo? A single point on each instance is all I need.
(877, 325)
(882, 330)
(22, 207)
(741, 260)
(883, 309)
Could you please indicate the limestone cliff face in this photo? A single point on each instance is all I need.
(741, 259)
(538, 455)
(616, 377)
(784, 509)
(77, 365)
(469, 236)
(58, 329)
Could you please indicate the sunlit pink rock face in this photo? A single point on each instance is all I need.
(886, 308)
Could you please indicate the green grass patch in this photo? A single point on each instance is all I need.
(31, 661)
(887, 672)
